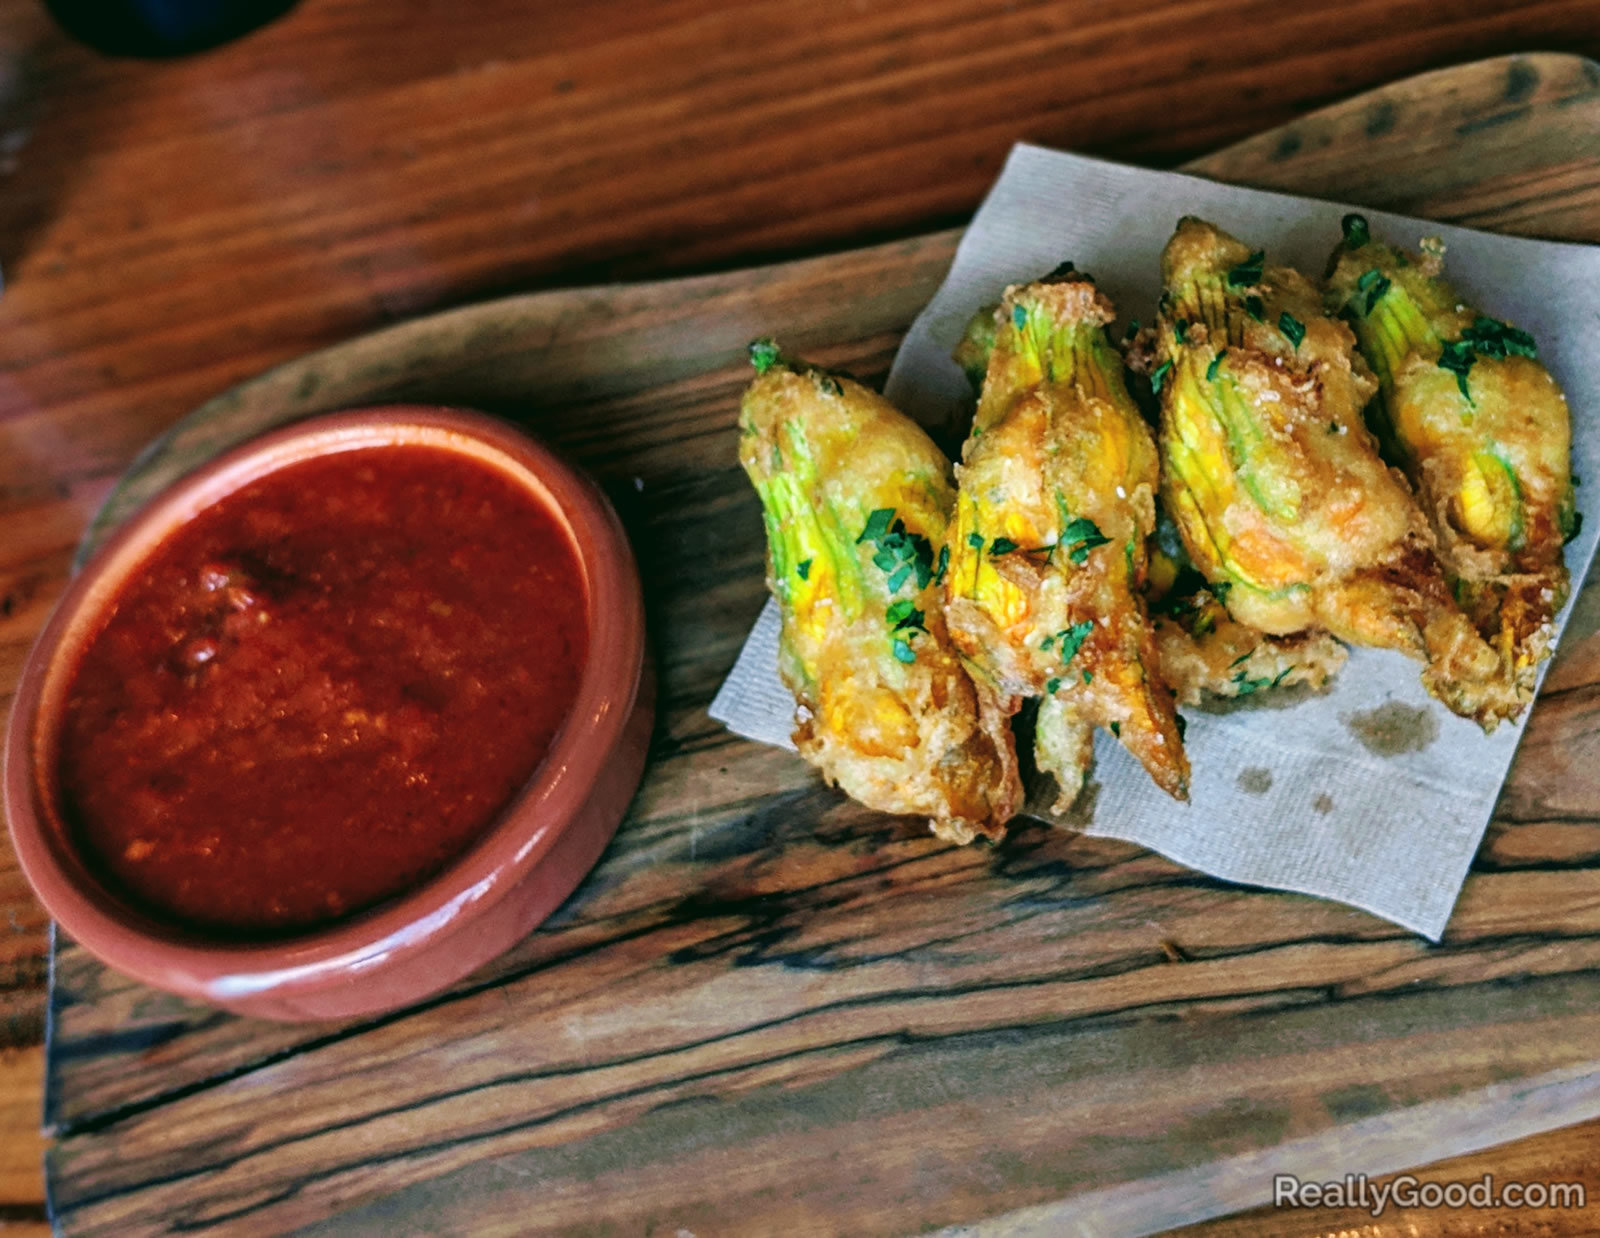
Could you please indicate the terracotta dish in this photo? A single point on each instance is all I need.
(525, 863)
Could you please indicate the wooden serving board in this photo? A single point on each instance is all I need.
(770, 1011)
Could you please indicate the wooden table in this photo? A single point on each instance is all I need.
(168, 230)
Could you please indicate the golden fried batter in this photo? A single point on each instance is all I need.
(1205, 651)
(1047, 549)
(1479, 427)
(856, 499)
(1277, 486)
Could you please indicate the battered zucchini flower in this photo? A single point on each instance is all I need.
(1480, 428)
(1047, 550)
(856, 499)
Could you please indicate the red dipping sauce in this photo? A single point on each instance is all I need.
(322, 689)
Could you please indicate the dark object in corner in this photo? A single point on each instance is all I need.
(155, 28)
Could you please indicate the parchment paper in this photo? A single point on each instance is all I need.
(1373, 794)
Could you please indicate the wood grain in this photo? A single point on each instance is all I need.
(768, 1004)
(168, 230)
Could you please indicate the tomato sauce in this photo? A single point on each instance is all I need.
(319, 691)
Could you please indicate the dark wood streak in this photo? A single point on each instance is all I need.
(759, 978)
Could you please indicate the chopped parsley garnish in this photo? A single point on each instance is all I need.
(1159, 376)
(1374, 283)
(1133, 329)
(1080, 536)
(1180, 329)
(1253, 307)
(1068, 641)
(1079, 554)
(1493, 338)
(905, 621)
(1356, 233)
(942, 565)
(804, 569)
(901, 553)
(1001, 546)
(1248, 272)
(1219, 589)
(975, 540)
(1019, 316)
(1486, 337)
(1216, 363)
(1247, 686)
(1333, 427)
(830, 384)
(763, 355)
(877, 525)
(1293, 329)
(1458, 357)
(1088, 676)
(903, 615)
(1116, 729)
(1050, 685)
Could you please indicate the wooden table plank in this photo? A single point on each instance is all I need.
(167, 230)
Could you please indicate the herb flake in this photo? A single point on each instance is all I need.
(903, 616)
(1070, 640)
(1248, 273)
(1374, 283)
(1080, 536)
(763, 354)
(901, 554)
(877, 525)
(1486, 337)
(1293, 329)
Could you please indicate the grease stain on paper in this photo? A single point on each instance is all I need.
(1393, 730)
(1254, 780)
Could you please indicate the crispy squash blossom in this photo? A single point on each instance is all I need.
(856, 499)
(1480, 428)
(1048, 547)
